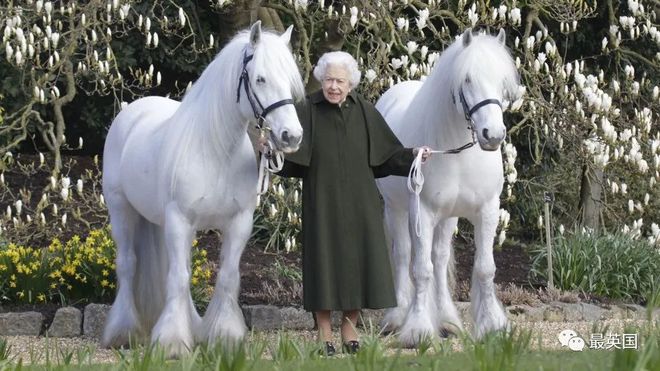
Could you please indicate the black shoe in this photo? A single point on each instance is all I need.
(351, 347)
(329, 349)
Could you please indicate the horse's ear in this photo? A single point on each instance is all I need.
(255, 33)
(286, 36)
(467, 37)
(501, 37)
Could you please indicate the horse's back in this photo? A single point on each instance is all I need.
(395, 102)
(133, 138)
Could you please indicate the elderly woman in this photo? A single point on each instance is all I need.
(346, 145)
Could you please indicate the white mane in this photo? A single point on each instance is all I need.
(483, 60)
(209, 119)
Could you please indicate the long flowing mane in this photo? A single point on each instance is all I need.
(208, 116)
(484, 60)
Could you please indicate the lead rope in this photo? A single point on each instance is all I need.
(416, 177)
(271, 161)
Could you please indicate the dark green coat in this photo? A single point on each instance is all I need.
(345, 259)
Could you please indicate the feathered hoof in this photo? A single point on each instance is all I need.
(175, 349)
(175, 338)
(121, 332)
(414, 332)
(227, 334)
(501, 325)
(393, 320)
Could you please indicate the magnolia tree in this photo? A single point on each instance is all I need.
(587, 125)
(585, 129)
(60, 49)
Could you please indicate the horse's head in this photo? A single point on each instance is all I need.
(269, 83)
(485, 80)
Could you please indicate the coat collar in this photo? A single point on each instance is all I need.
(318, 97)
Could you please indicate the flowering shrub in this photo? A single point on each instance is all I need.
(277, 220)
(78, 270)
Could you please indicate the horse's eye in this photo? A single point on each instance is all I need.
(467, 80)
(261, 80)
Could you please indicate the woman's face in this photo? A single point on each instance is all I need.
(336, 84)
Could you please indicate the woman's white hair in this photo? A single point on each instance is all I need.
(342, 59)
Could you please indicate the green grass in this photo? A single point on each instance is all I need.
(497, 352)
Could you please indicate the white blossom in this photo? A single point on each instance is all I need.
(422, 19)
(354, 16)
(411, 47)
(370, 75)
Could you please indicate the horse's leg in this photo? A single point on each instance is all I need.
(420, 322)
(174, 327)
(224, 319)
(487, 311)
(123, 322)
(447, 315)
(397, 227)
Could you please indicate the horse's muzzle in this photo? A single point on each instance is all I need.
(287, 142)
(489, 142)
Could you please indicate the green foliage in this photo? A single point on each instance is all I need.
(5, 349)
(613, 266)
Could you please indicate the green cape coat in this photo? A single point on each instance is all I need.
(346, 263)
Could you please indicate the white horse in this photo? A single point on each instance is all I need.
(457, 106)
(171, 169)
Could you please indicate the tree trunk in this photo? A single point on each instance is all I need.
(590, 197)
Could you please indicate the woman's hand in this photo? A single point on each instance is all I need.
(426, 152)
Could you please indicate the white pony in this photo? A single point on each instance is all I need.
(171, 169)
(457, 106)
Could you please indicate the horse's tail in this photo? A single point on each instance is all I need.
(151, 273)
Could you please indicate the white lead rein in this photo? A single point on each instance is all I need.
(271, 161)
(416, 177)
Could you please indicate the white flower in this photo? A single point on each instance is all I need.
(64, 219)
(501, 237)
(79, 186)
(370, 75)
(411, 47)
(19, 207)
(400, 23)
(354, 16)
(396, 63)
(561, 229)
(505, 217)
(421, 20)
(472, 14)
(155, 39)
(182, 17)
(501, 11)
(530, 42)
(514, 17)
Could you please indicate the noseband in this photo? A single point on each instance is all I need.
(255, 103)
(468, 112)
